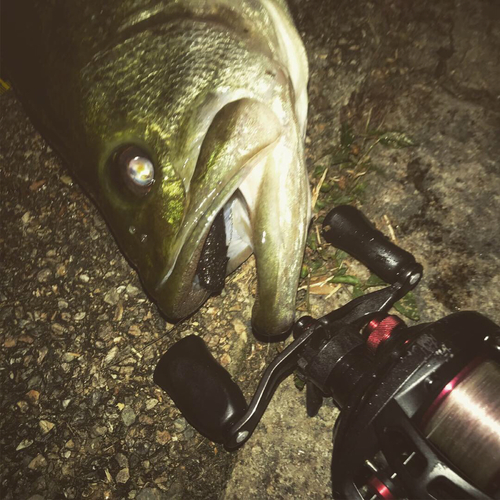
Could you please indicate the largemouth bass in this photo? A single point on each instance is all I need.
(184, 120)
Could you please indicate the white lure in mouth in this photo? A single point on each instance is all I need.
(238, 218)
(238, 231)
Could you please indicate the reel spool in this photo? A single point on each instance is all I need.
(464, 422)
(420, 405)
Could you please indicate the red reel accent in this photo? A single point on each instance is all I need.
(380, 489)
(380, 331)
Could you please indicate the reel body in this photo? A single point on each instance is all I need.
(407, 395)
(391, 442)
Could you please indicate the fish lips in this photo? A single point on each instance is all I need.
(199, 273)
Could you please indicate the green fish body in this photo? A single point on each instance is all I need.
(184, 120)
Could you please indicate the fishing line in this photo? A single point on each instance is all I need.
(466, 424)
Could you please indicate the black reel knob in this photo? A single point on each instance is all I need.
(200, 387)
(345, 227)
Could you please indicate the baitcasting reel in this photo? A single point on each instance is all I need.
(420, 405)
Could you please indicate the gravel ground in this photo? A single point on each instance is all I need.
(81, 417)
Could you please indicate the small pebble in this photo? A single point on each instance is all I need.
(118, 315)
(57, 328)
(145, 419)
(66, 179)
(111, 355)
(38, 462)
(46, 426)
(62, 304)
(128, 416)
(225, 359)
(162, 437)
(151, 403)
(112, 297)
(23, 406)
(44, 275)
(10, 342)
(25, 443)
(66, 316)
(61, 270)
(123, 476)
(239, 327)
(132, 290)
(122, 460)
(134, 330)
(41, 354)
(180, 424)
(33, 396)
(68, 357)
(99, 430)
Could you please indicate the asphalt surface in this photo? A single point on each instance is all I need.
(81, 417)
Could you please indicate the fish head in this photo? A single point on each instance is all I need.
(199, 163)
(176, 235)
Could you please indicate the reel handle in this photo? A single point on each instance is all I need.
(201, 388)
(345, 227)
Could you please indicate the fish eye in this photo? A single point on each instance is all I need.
(141, 172)
(136, 169)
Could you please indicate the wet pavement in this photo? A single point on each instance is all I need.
(81, 417)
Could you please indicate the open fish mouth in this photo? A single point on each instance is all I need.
(249, 193)
(228, 242)
(221, 238)
(226, 239)
(227, 245)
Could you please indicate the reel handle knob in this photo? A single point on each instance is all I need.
(201, 388)
(345, 227)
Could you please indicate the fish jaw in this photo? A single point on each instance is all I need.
(267, 180)
(242, 135)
